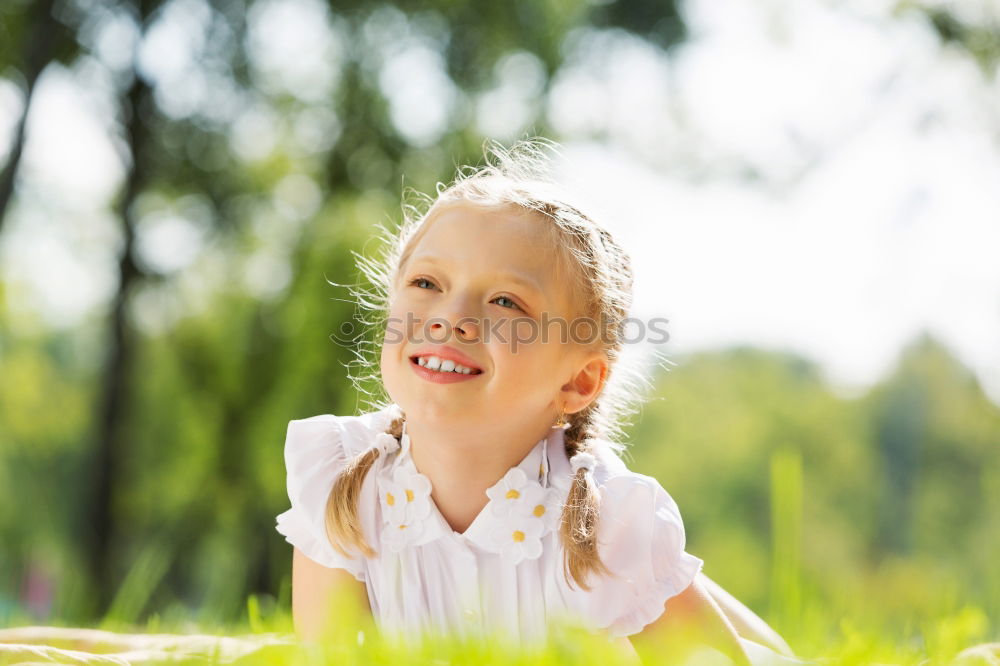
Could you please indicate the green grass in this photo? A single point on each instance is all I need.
(351, 639)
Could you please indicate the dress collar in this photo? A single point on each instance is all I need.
(524, 505)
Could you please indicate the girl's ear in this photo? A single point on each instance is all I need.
(586, 384)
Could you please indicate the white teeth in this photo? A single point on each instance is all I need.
(447, 365)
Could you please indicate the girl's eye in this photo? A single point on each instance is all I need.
(512, 303)
(419, 282)
(416, 282)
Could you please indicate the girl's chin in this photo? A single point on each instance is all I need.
(437, 413)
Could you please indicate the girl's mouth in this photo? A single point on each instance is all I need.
(442, 371)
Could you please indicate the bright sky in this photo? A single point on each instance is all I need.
(796, 176)
(876, 214)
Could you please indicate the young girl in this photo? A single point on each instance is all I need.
(486, 493)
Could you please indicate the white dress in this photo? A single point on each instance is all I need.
(505, 572)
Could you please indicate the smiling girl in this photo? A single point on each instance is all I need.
(485, 493)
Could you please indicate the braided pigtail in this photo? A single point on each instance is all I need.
(579, 524)
(343, 526)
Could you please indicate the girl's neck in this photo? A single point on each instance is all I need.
(462, 465)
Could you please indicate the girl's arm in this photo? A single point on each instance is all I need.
(747, 623)
(314, 589)
(690, 619)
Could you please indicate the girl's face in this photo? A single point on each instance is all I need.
(479, 283)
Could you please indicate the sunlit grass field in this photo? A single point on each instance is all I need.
(265, 635)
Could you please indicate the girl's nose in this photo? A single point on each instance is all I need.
(459, 322)
(466, 328)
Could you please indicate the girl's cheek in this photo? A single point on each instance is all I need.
(398, 320)
(390, 364)
(393, 328)
(524, 335)
(517, 343)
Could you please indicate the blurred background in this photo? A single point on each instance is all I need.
(809, 191)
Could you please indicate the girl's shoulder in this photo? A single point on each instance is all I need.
(335, 435)
(641, 539)
(625, 490)
(610, 472)
(317, 451)
(628, 499)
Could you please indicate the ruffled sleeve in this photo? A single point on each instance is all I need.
(641, 539)
(316, 451)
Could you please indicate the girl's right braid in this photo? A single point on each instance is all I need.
(578, 528)
(342, 523)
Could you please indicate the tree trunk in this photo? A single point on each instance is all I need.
(111, 445)
(39, 47)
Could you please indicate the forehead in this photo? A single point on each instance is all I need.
(470, 219)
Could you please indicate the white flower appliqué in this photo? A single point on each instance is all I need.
(519, 537)
(406, 504)
(396, 537)
(525, 512)
(507, 495)
(547, 507)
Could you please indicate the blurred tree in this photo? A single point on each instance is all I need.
(981, 39)
(117, 391)
(301, 189)
(30, 39)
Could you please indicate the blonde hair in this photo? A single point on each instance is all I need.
(599, 270)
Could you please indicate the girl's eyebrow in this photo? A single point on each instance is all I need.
(505, 275)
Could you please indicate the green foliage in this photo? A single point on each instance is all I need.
(786, 537)
(811, 507)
